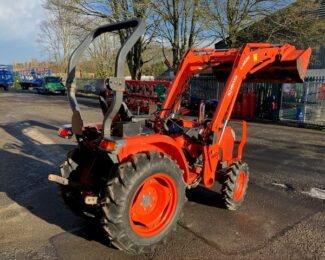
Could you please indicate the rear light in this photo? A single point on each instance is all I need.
(108, 145)
(65, 132)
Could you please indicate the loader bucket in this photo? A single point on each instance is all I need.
(290, 68)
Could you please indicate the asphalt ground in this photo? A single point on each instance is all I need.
(280, 218)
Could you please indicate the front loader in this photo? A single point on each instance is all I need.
(131, 174)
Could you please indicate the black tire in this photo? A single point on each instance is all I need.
(63, 92)
(119, 195)
(229, 183)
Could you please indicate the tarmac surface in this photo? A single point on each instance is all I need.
(283, 216)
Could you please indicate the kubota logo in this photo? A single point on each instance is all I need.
(244, 62)
(232, 86)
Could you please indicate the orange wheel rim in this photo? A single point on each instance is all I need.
(240, 186)
(153, 205)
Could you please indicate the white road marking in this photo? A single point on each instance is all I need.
(280, 185)
(45, 144)
(37, 136)
(315, 193)
(33, 157)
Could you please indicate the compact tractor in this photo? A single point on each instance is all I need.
(131, 172)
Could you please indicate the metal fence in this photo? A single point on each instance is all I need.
(301, 103)
(268, 96)
(304, 103)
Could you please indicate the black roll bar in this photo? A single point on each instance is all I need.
(116, 83)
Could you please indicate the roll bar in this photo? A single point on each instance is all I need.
(116, 83)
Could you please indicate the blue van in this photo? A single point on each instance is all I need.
(6, 76)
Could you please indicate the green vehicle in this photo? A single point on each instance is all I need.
(51, 84)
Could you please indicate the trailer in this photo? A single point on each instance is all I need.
(6, 76)
(32, 77)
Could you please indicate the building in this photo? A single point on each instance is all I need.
(303, 103)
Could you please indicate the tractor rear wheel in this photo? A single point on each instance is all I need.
(144, 202)
(234, 185)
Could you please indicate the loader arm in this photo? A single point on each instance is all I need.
(250, 59)
(236, 65)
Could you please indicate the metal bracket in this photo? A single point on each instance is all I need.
(115, 84)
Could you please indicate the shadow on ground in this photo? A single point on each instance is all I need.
(205, 196)
(25, 165)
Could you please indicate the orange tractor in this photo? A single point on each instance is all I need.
(131, 172)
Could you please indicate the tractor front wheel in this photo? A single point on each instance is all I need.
(144, 202)
(234, 185)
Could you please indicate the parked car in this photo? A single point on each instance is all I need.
(51, 84)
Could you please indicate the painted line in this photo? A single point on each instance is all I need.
(315, 193)
(37, 136)
(45, 144)
(280, 185)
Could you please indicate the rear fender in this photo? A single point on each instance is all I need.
(158, 143)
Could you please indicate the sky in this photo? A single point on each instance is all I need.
(19, 29)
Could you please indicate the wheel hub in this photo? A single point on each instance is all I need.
(153, 205)
(240, 186)
(146, 200)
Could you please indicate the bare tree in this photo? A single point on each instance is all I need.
(101, 54)
(56, 34)
(100, 11)
(229, 17)
(180, 24)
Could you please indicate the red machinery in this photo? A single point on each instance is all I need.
(132, 174)
(140, 94)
